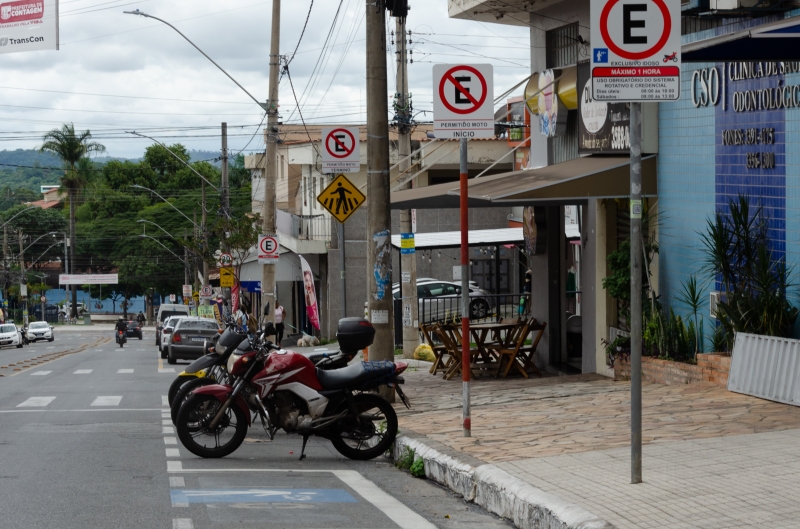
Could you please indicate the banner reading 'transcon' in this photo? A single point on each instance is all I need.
(28, 25)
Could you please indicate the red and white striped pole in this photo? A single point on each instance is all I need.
(465, 339)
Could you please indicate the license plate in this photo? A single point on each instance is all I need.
(5, 342)
(38, 334)
(198, 339)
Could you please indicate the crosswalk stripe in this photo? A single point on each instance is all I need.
(170, 440)
(124, 371)
(167, 370)
(173, 452)
(164, 400)
(41, 373)
(107, 401)
(82, 372)
(182, 523)
(168, 430)
(36, 402)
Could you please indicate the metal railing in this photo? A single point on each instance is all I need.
(304, 227)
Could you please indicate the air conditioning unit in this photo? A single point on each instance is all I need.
(712, 303)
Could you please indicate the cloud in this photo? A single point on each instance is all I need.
(168, 85)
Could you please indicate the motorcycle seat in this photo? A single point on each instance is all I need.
(356, 375)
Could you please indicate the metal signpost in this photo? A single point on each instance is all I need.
(463, 107)
(341, 152)
(636, 56)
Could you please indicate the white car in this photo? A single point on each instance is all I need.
(10, 336)
(66, 309)
(40, 330)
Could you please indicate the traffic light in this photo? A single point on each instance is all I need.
(397, 8)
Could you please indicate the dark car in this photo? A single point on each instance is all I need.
(134, 330)
(186, 342)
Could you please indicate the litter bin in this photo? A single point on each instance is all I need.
(574, 337)
(87, 319)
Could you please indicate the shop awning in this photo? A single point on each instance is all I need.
(575, 180)
(452, 239)
(776, 41)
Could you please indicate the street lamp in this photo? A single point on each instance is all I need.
(137, 186)
(17, 215)
(264, 106)
(37, 240)
(163, 246)
(157, 226)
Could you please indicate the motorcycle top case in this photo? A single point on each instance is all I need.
(354, 334)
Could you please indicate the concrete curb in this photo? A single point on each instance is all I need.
(499, 492)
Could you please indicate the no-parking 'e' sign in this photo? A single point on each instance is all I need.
(341, 151)
(463, 101)
(268, 249)
(636, 50)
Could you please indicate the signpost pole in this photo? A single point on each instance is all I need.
(636, 292)
(465, 340)
(342, 269)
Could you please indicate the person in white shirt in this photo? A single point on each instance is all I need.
(280, 312)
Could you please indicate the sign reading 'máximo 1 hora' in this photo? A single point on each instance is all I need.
(636, 50)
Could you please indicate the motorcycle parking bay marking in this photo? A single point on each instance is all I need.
(262, 495)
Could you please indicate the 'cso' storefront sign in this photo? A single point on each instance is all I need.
(708, 86)
(751, 102)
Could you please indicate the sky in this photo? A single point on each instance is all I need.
(116, 72)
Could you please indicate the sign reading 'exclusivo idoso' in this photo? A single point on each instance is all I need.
(636, 50)
(28, 25)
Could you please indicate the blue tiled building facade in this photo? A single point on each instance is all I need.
(735, 130)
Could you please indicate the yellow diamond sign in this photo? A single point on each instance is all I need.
(341, 198)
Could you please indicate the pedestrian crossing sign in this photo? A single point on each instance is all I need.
(341, 198)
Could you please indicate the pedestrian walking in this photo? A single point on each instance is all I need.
(280, 313)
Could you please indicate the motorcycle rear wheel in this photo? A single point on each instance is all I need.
(196, 413)
(184, 391)
(363, 439)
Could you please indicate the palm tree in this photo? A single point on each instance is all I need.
(71, 148)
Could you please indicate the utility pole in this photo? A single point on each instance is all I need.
(226, 291)
(226, 202)
(408, 261)
(22, 278)
(636, 292)
(271, 161)
(185, 260)
(379, 252)
(5, 262)
(21, 253)
(204, 235)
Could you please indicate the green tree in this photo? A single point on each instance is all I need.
(72, 148)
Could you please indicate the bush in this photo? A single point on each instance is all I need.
(418, 468)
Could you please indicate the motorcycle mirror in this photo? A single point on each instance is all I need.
(266, 309)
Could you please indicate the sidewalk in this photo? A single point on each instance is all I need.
(712, 459)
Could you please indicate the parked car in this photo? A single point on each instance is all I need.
(188, 337)
(134, 330)
(439, 300)
(40, 330)
(166, 334)
(166, 310)
(10, 336)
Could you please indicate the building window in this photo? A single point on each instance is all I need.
(562, 46)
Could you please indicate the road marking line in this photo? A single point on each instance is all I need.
(167, 430)
(181, 505)
(160, 362)
(167, 422)
(36, 402)
(81, 411)
(173, 452)
(167, 370)
(41, 373)
(170, 440)
(165, 415)
(174, 466)
(51, 347)
(82, 372)
(124, 371)
(177, 481)
(182, 523)
(107, 401)
(164, 401)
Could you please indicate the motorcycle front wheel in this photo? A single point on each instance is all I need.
(371, 433)
(183, 393)
(192, 425)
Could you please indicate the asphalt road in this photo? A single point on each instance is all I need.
(86, 442)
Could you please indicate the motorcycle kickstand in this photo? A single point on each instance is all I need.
(303, 450)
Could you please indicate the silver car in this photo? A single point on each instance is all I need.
(441, 300)
(188, 336)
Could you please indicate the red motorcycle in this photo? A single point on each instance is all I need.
(287, 391)
(121, 338)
